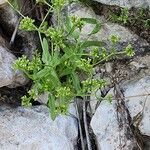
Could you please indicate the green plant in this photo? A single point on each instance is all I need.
(65, 67)
(123, 17)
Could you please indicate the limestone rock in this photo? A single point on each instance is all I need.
(127, 3)
(139, 101)
(7, 75)
(104, 122)
(32, 128)
(105, 126)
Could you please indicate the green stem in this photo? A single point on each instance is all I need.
(99, 62)
(16, 9)
(40, 39)
(45, 18)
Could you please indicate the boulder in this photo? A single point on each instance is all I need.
(127, 3)
(32, 128)
(105, 126)
(138, 101)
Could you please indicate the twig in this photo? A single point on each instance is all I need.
(15, 32)
(80, 128)
(86, 127)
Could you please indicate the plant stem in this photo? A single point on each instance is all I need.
(104, 59)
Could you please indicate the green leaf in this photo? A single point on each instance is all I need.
(76, 81)
(54, 78)
(68, 23)
(93, 21)
(42, 73)
(51, 105)
(66, 71)
(46, 57)
(55, 59)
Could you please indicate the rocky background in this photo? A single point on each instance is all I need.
(123, 124)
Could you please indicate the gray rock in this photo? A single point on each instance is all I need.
(7, 75)
(104, 122)
(8, 17)
(138, 100)
(2, 2)
(105, 126)
(32, 128)
(126, 37)
(127, 3)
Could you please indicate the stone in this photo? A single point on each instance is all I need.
(127, 3)
(7, 75)
(138, 100)
(2, 2)
(104, 122)
(105, 126)
(139, 44)
(32, 128)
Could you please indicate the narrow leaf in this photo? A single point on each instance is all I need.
(76, 82)
(46, 57)
(51, 105)
(95, 22)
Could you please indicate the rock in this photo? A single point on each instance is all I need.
(138, 93)
(105, 126)
(7, 75)
(8, 17)
(2, 2)
(127, 3)
(32, 128)
(140, 45)
(43, 98)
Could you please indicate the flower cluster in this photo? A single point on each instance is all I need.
(27, 24)
(92, 85)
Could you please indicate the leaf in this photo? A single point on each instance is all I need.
(54, 78)
(51, 105)
(76, 82)
(55, 59)
(42, 73)
(66, 71)
(68, 23)
(86, 44)
(93, 21)
(46, 57)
